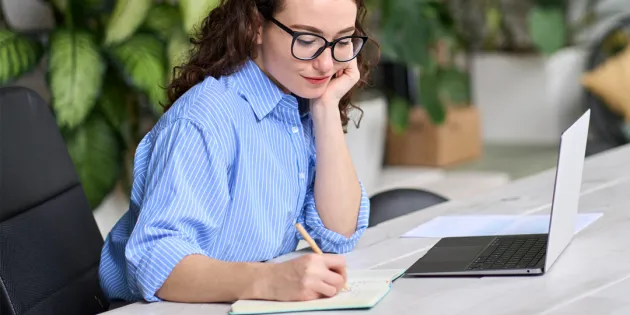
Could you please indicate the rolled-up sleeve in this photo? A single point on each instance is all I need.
(186, 196)
(331, 241)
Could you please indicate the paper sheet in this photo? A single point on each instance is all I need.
(479, 225)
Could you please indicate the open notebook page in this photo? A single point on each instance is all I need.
(366, 289)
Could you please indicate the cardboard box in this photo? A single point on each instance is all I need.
(457, 140)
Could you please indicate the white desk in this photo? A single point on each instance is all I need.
(592, 276)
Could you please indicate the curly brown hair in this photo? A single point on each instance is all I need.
(226, 38)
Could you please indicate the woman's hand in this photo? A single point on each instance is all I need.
(305, 278)
(338, 86)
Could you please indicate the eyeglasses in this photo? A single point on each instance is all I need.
(308, 46)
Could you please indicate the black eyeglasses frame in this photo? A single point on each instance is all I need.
(296, 34)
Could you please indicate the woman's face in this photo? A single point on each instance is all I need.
(306, 78)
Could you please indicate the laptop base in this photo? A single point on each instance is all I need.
(483, 256)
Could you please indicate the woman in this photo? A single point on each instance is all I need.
(223, 177)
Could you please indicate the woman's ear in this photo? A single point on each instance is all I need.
(259, 35)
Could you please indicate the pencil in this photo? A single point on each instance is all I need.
(312, 243)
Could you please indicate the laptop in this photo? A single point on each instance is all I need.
(532, 254)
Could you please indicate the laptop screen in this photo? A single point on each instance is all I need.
(566, 193)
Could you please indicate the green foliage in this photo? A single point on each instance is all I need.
(177, 45)
(60, 5)
(454, 85)
(143, 59)
(18, 55)
(547, 27)
(424, 36)
(420, 34)
(429, 98)
(398, 111)
(517, 25)
(406, 32)
(193, 12)
(163, 19)
(126, 18)
(75, 75)
(96, 154)
(166, 20)
(108, 62)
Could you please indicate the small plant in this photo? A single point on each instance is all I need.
(421, 35)
(427, 37)
(108, 63)
(514, 26)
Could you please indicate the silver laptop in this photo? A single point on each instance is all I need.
(532, 254)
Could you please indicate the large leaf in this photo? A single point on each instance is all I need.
(143, 62)
(115, 107)
(95, 151)
(194, 11)
(18, 55)
(163, 19)
(178, 47)
(118, 106)
(406, 34)
(547, 28)
(75, 75)
(128, 15)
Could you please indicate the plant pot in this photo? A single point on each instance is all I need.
(527, 98)
(455, 141)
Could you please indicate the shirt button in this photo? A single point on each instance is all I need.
(294, 129)
(302, 175)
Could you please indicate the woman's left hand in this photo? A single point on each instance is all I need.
(345, 79)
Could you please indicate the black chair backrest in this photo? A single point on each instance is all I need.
(393, 203)
(49, 241)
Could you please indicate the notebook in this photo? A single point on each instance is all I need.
(366, 289)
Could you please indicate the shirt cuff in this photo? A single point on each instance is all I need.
(158, 263)
(331, 241)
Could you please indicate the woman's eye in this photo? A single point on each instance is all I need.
(305, 42)
(344, 43)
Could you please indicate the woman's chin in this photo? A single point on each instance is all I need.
(310, 92)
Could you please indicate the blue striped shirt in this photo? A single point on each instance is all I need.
(226, 172)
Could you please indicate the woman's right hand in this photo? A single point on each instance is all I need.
(305, 278)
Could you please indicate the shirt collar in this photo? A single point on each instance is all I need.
(262, 94)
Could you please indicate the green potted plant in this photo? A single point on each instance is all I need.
(525, 64)
(107, 64)
(514, 26)
(420, 36)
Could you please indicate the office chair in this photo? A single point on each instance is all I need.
(50, 244)
(393, 203)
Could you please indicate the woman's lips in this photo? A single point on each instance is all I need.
(316, 80)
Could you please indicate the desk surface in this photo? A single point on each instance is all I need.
(592, 276)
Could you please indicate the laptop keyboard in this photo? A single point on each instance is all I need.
(511, 253)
